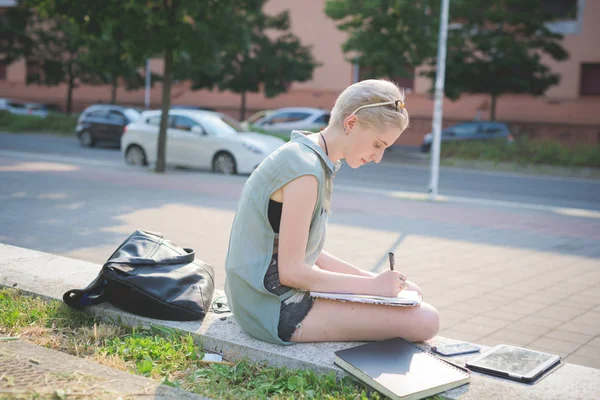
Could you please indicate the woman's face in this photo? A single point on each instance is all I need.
(367, 144)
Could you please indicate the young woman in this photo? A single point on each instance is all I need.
(276, 256)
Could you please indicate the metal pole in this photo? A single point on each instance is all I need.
(148, 84)
(439, 98)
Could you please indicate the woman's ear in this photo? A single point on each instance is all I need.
(349, 123)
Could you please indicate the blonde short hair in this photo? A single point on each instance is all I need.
(366, 92)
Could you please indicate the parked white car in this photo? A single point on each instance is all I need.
(285, 120)
(20, 108)
(197, 139)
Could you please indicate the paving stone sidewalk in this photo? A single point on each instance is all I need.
(497, 275)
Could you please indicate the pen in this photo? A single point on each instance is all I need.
(392, 262)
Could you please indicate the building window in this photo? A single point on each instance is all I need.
(561, 9)
(34, 71)
(590, 80)
(2, 71)
(408, 83)
(567, 16)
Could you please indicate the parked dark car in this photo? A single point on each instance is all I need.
(476, 130)
(104, 123)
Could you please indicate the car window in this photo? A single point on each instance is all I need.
(278, 118)
(96, 113)
(323, 119)
(155, 120)
(298, 116)
(491, 128)
(183, 123)
(16, 105)
(464, 129)
(116, 117)
(287, 116)
(214, 125)
(34, 107)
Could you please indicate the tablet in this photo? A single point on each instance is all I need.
(514, 363)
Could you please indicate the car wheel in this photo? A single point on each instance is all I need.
(135, 156)
(223, 163)
(86, 139)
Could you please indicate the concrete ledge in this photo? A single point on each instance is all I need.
(50, 276)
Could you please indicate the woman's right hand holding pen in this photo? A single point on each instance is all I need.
(388, 283)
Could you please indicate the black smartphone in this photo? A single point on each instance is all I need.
(455, 349)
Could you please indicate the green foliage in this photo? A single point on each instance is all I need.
(264, 61)
(15, 41)
(498, 48)
(494, 47)
(73, 48)
(391, 37)
(154, 353)
(18, 311)
(524, 151)
(53, 123)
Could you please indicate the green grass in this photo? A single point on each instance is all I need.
(163, 354)
(525, 152)
(53, 123)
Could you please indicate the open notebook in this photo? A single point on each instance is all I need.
(406, 298)
(400, 370)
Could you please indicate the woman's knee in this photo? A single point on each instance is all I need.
(427, 323)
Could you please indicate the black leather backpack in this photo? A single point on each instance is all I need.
(152, 277)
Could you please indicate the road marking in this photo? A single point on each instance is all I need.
(420, 196)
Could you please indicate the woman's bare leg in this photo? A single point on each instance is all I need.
(337, 321)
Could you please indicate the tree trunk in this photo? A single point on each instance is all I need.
(70, 84)
(243, 107)
(493, 107)
(113, 91)
(166, 104)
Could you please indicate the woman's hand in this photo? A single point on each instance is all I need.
(413, 286)
(388, 283)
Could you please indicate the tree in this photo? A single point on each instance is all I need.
(58, 46)
(390, 37)
(264, 62)
(104, 54)
(108, 55)
(15, 41)
(494, 46)
(498, 48)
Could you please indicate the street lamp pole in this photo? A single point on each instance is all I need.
(439, 99)
(148, 84)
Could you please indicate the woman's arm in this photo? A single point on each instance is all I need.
(299, 199)
(331, 263)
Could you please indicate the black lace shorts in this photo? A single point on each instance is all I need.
(294, 309)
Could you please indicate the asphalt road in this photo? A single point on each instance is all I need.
(392, 176)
